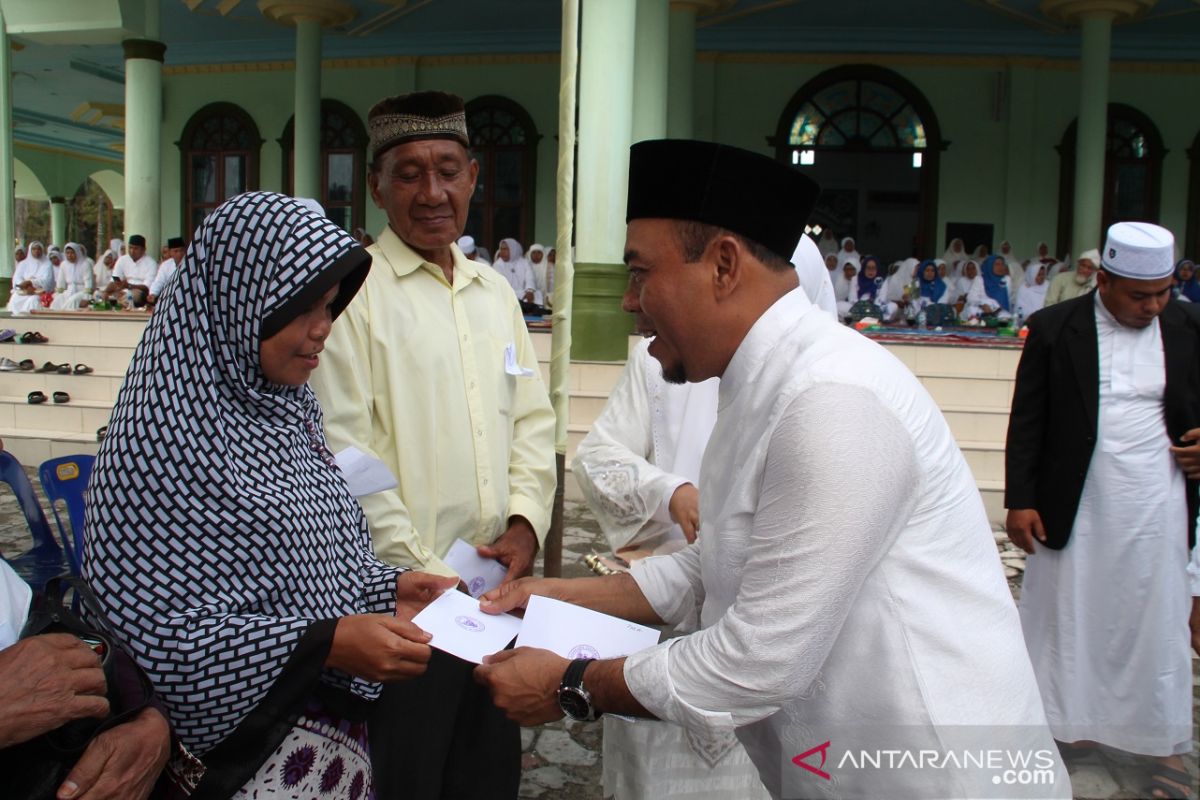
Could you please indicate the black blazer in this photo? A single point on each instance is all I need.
(1052, 426)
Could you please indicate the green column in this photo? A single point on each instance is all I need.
(650, 67)
(143, 137)
(307, 125)
(682, 65)
(1091, 137)
(58, 221)
(599, 328)
(7, 178)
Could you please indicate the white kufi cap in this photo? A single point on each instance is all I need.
(467, 245)
(1139, 250)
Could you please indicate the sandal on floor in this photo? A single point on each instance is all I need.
(82, 369)
(64, 369)
(1164, 780)
(101, 432)
(36, 397)
(7, 335)
(26, 365)
(33, 337)
(49, 366)
(61, 397)
(8, 365)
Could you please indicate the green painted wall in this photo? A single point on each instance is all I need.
(999, 168)
(60, 174)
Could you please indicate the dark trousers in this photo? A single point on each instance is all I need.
(438, 737)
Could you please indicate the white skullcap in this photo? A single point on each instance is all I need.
(1092, 255)
(466, 244)
(1139, 250)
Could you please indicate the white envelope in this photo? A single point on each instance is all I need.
(512, 366)
(576, 632)
(461, 629)
(479, 573)
(364, 474)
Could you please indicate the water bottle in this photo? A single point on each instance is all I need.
(922, 320)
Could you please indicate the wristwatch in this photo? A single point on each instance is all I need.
(574, 700)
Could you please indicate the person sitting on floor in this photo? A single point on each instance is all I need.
(75, 279)
(31, 278)
(132, 275)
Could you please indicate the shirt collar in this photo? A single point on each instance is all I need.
(761, 340)
(404, 260)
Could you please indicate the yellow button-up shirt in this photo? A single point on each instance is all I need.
(414, 373)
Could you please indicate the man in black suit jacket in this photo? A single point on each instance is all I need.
(1052, 437)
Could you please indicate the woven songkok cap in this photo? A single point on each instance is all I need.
(415, 116)
(750, 194)
(1139, 250)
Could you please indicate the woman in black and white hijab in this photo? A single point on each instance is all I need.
(222, 540)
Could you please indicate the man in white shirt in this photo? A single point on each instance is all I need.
(432, 370)
(166, 270)
(832, 625)
(134, 271)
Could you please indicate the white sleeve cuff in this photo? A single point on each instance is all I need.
(648, 676)
(666, 586)
(663, 512)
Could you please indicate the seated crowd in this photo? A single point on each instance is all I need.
(979, 285)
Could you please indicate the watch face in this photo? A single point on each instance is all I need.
(574, 704)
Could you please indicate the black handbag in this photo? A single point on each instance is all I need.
(34, 770)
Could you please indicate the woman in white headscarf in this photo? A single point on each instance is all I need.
(955, 252)
(103, 269)
(896, 291)
(115, 246)
(1032, 294)
(31, 278)
(537, 262)
(510, 262)
(75, 279)
(1015, 269)
(828, 243)
(973, 291)
(849, 252)
(843, 286)
(1040, 254)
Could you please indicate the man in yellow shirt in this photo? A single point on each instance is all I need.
(432, 370)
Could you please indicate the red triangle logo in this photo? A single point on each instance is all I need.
(800, 762)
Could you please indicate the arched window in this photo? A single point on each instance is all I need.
(220, 146)
(872, 141)
(343, 163)
(504, 141)
(1132, 174)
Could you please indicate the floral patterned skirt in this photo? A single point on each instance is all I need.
(324, 756)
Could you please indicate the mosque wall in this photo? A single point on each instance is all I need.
(1002, 120)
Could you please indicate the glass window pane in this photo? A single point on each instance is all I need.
(340, 174)
(506, 223)
(340, 215)
(481, 180)
(475, 223)
(508, 177)
(880, 99)
(235, 175)
(838, 97)
(806, 126)
(204, 178)
(909, 128)
(1130, 192)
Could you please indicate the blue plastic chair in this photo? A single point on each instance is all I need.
(45, 559)
(66, 479)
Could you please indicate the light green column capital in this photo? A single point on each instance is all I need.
(58, 221)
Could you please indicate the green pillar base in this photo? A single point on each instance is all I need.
(599, 328)
(5, 291)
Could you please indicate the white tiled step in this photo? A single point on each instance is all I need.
(32, 447)
(105, 359)
(98, 387)
(118, 330)
(73, 417)
(986, 460)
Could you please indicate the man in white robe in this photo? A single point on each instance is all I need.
(166, 270)
(1103, 503)
(133, 274)
(826, 628)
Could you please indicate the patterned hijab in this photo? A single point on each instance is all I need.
(221, 541)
